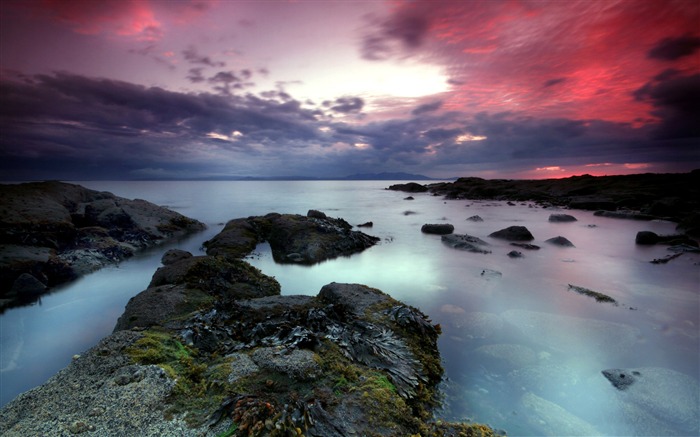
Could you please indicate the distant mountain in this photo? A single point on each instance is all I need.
(387, 177)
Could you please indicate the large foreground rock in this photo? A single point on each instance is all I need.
(211, 348)
(56, 232)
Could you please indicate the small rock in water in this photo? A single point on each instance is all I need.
(561, 218)
(515, 254)
(437, 228)
(475, 218)
(526, 246)
(619, 378)
(513, 233)
(560, 241)
(366, 225)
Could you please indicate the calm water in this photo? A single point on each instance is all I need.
(522, 353)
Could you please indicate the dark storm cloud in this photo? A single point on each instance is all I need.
(552, 82)
(670, 49)
(427, 107)
(193, 57)
(195, 75)
(676, 101)
(406, 30)
(118, 125)
(347, 105)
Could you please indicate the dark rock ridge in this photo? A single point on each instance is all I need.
(211, 348)
(293, 238)
(674, 197)
(599, 297)
(437, 228)
(513, 233)
(651, 238)
(56, 231)
(410, 187)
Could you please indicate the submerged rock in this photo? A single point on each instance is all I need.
(561, 218)
(552, 420)
(526, 246)
(475, 218)
(560, 241)
(599, 297)
(465, 242)
(668, 397)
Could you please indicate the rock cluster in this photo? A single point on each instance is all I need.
(211, 348)
(55, 232)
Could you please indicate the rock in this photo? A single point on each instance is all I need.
(475, 218)
(437, 228)
(26, 286)
(594, 338)
(409, 213)
(79, 229)
(174, 255)
(465, 242)
(411, 187)
(293, 238)
(670, 397)
(515, 254)
(551, 419)
(599, 297)
(560, 241)
(298, 364)
(646, 237)
(366, 225)
(316, 214)
(489, 274)
(513, 233)
(629, 215)
(505, 357)
(526, 246)
(408, 198)
(561, 218)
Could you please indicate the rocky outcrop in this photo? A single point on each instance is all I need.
(293, 238)
(56, 232)
(437, 228)
(410, 187)
(211, 348)
(513, 233)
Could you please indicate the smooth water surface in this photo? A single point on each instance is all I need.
(521, 351)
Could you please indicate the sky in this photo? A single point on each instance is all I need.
(151, 89)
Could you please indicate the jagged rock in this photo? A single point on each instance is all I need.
(465, 242)
(513, 233)
(561, 218)
(560, 241)
(79, 229)
(526, 246)
(366, 225)
(437, 228)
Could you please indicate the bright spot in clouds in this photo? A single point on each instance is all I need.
(469, 137)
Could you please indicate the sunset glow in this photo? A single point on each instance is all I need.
(442, 88)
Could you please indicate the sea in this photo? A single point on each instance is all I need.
(522, 350)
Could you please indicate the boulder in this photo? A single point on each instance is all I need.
(515, 254)
(561, 218)
(366, 225)
(560, 241)
(646, 238)
(475, 218)
(465, 242)
(437, 228)
(26, 286)
(513, 233)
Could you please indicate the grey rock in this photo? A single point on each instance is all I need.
(646, 238)
(561, 218)
(515, 254)
(174, 255)
(298, 364)
(620, 378)
(560, 241)
(526, 246)
(241, 366)
(475, 218)
(27, 286)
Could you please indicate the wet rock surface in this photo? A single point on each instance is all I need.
(293, 238)
(466, 242)
(56, 232)
(211, 348)
(437, 228)
(513, 233)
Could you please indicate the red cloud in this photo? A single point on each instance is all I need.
(573, 59)
(130, 18)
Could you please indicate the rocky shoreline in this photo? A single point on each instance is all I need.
(54, 232)
(211, 348)
(673, 197)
